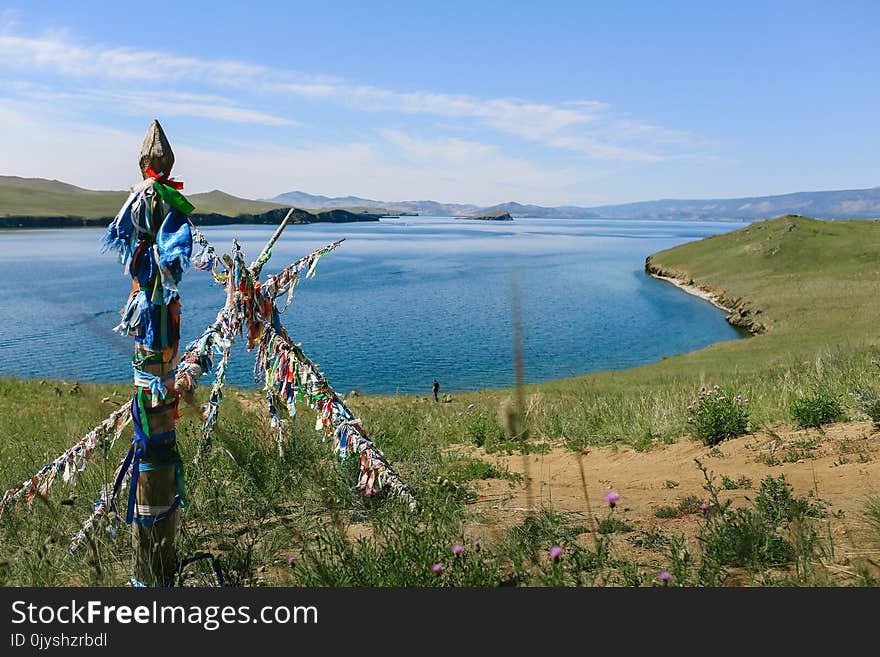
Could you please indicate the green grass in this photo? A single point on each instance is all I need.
(815, 284)
(36, 197)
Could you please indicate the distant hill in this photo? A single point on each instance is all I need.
(40, 203)
(218, 202)
(37, 197)
(316, 201)
(26, 199)
(845, 204)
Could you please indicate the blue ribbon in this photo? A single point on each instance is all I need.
(154, 383)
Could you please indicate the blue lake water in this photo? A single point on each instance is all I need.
(401, 302)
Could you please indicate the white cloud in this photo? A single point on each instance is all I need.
(138, 103)
(587, 128)
(399, 167)
(56, 52)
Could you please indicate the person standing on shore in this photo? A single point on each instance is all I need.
(436, 390)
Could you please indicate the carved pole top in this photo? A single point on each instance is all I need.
(156, 153)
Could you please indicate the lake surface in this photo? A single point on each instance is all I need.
(401, 302)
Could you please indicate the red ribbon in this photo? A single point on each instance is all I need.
(165, 180)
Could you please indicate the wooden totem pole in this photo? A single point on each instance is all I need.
(160, 246)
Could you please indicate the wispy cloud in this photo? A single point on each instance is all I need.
(587, 128)
(138, 103)
(395, 167)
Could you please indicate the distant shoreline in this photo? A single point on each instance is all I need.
(738, 313)
(31, 223)
(272, 217)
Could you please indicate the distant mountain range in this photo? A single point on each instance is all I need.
(23, 201)
(845, 204)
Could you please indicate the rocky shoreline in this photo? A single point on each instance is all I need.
(740, 312)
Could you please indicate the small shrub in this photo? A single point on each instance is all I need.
(689, 504)
(612, 525)
(816, 410)
(777, 531)
(649, 539)
(743, 538)
(777, 504)
(483, 430)
(716, 416)
(728, 483)
(868, 402)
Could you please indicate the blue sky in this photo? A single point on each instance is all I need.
(552, 103)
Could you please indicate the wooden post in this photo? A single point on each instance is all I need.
(155, 557)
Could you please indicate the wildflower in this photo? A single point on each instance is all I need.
(555, 552)
(457, 549)
(665, 577)
(437, 568)
(475, 542)
(703, 506)
(716, 388)
(470, 406)
(289, 561)
(612, 497)
(369, 492)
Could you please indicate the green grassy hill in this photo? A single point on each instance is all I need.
(36, 197)
(814, 283)
(217, 202)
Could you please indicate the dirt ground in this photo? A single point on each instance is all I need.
(839, 464)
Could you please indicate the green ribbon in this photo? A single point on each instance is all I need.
(145, 423)
(174, 198)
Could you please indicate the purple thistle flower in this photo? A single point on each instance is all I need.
(612, 498)
(703, 506)
(457, 549)
(369, 492)
(665, 577)
(289, 561)
(437, 568)
(555, 552)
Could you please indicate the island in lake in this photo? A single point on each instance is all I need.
(499, 215)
